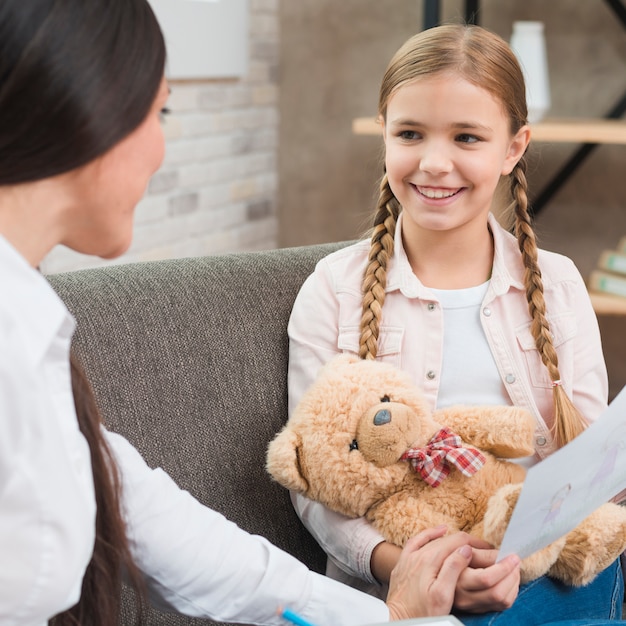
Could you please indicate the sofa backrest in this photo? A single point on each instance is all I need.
(188, 360)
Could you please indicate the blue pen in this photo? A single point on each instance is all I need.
(294, 618)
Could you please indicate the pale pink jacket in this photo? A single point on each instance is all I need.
(325, 321)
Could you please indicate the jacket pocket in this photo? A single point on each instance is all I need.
(389, 343)
(564, 329)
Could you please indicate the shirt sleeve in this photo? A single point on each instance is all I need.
(198, 563)
(47, 507)
(349, 542)
(313, 332)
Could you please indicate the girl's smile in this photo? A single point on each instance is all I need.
(437, 193)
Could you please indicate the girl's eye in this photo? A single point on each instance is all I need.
(164, 112)
(408, 135)
(465, 138)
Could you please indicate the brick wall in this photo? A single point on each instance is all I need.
(217, 189)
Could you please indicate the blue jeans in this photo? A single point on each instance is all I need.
(546, 601)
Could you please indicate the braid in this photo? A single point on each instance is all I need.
(375, 277)
(568, 422)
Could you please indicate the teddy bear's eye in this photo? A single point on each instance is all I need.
(385, 398)
(354, 445)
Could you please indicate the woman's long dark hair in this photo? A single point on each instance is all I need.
(76, 77)
(111, 561)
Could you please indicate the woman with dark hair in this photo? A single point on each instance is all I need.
(82, 92)
(69, 173)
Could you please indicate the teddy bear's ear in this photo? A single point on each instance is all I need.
(282, 461)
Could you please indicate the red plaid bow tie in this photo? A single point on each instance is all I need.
(432, 463)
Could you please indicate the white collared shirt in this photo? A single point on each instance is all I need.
(47, 503)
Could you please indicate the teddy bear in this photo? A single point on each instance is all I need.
(364, 442)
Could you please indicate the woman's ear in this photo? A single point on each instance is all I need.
(517, 147)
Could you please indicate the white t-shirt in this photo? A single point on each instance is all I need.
(469, 374)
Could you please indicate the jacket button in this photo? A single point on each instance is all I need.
(486, 311)
(430, 375)
(541, 441)
(510, 378)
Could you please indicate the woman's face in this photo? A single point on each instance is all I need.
(106, 191)
(447, 144)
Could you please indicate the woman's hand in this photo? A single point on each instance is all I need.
(424, 581)
(486, 585)
(436, 571)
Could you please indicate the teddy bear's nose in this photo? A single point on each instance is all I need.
(382, 417)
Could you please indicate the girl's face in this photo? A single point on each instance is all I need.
(106, 191)
(447, 145)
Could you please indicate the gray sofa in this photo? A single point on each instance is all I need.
(188, 359)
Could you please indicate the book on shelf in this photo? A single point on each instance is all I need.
(606, 282)
(613, 260)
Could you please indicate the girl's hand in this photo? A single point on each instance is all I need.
(424, 582)
(486, 585)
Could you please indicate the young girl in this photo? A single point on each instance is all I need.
(443, 291)
(82, 93)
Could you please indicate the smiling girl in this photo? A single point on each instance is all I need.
(474, 314)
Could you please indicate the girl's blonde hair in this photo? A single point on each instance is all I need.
(484, 59)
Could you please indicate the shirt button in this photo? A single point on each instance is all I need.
(510, 378)
(486, 311)
(432, 306)
(541, 441)
(430, 375)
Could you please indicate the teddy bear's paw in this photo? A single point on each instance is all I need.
(592, 546)
(541, 562)
(498, 513)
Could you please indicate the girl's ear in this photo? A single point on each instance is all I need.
(517, 147)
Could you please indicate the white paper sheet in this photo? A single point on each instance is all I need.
(560, 491)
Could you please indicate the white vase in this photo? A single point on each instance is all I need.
(529, 45)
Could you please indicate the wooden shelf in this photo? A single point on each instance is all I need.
(574, 130)
(580, 131)
(607, 304)
(366, 126)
